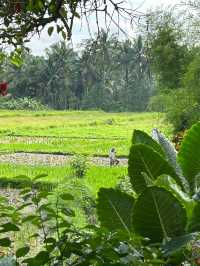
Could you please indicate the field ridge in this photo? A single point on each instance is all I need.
(51, 159)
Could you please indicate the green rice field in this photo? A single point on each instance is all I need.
(96, 176)
(90, 133)
(69, 132)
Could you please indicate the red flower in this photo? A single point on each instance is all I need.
(3, 88)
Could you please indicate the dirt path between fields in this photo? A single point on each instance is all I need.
(50, 159)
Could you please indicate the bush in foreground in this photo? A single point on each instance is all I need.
(21, 104)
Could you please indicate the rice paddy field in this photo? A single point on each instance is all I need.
(85, 132)
(95, 178)
(90, 133)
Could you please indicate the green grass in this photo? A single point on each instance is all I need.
(96, 177)
(86, 132)
(62, 179)
(65, 146)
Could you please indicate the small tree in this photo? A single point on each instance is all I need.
(168, 54)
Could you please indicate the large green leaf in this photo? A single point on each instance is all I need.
(189, 155)
(145, 165)
(170, 155)
(166, 145)
(140, 137)
(169, 184)
(114, 209)
(157, 214)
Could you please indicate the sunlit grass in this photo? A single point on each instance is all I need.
(96, 176)
(86, 132)
(65, 146)
(106, 177)
(63, 179)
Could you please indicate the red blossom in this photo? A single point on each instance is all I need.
(3, 88)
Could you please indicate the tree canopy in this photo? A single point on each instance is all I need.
(107, 74)
(19, 20)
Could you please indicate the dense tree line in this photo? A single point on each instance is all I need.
(106, 74)
(174, 59)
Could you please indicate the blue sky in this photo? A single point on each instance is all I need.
(38, 45)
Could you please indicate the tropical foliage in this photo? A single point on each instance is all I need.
(157, 224)
(166, 186)
(21, 104)
(107, 74)
(19, 20)
(175, 63)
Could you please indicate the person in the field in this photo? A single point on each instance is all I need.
(112, 157)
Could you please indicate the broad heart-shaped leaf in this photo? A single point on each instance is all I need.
(157, 215)
(140, 137)
(169, 184)
(170, 155)
(189, 155)
(114, 209)
(143, 159)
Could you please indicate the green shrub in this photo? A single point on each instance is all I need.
(159, 103)
(181, 107)
(21, 104)
(183, 110)
(58, 241)
(79, 165)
